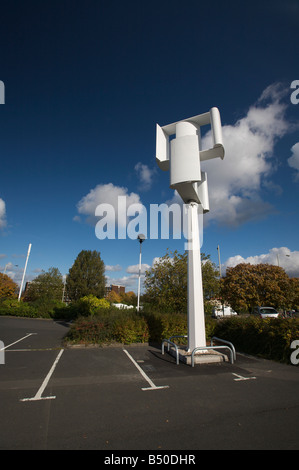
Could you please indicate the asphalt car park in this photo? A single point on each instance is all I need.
(135, 398)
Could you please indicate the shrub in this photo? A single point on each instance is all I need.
(164, 325)
(45, 307)
(89, 305)
(129, 329)
(89, 330)
(268, 338)
(18, 308)
(107, 326)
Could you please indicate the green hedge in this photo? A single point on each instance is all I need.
(164, 325)
(129, 327)
(106, 327)
(268, 338)
(18, 309)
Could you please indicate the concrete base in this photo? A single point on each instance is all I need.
(208, 356)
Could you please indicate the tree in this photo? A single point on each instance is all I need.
(166, 282)
(247, 285)
(210, 280)
(294, 293)
(86, 276)
(8, 288)
(113, 297)
(46, 286)
(129, 298)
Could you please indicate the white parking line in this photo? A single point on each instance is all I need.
(152, 385)
(39, 393)
(24, 337)
(240, 377)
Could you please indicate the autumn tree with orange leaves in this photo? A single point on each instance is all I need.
(246, 286)
(8, 288)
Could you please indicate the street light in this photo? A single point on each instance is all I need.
(141, 239)
(64, 283)
(8, 264)
(218, 249)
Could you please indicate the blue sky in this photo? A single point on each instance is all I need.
(86, 83)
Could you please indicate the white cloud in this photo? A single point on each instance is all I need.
(116, 267)
(2, 214)
(235, 183)
(129, 282)
(158, 260)
(145, 175)
(285, 258)
(293, 161)
(134, 269)
(13, 271)
(105, 194)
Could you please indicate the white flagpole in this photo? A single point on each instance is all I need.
(24, 273)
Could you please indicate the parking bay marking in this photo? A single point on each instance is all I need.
(240, 377)
(40, 391)
(24, 337)
(152, 385)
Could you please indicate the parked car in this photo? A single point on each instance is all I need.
(223, 312)
(266, 312)
(122, 306)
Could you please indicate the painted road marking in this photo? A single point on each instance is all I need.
(24, 337)
(152, 385)
(239, 377)
(39, 393)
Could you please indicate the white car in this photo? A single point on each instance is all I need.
(266, 312)
(223, 312)
(124, 306)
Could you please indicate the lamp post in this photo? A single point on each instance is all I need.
(7, 264)
(218, 249)
(183, 156)
(141, 239)
(64, 282)
(21, 286)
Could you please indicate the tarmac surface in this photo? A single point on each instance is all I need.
(133, 398)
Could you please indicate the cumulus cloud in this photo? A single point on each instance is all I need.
(283, 257)
(129, 282)
(235, 184)
(2, 214)
(134, 269)
(293, 161)
(13, 271)
(145, 176)
(106, 194)
(116, 267)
